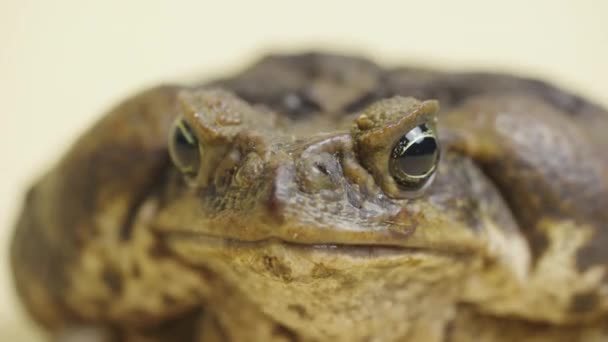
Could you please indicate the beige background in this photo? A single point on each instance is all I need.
(64, 62)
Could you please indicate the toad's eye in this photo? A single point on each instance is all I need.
(414, 158)
(184, 148)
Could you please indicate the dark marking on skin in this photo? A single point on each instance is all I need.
(283, 331)
(539, 243)
(471, 325)
(212, 329)
(159, 249)
(448, 331)
(40, 261)
(182, 328)
(584, 302)
(100, 304)
(168, 300)
(277, 268)
(88, 332)
(135, 271)
(322, 271)
(126, 229)
(594, 252)
(347, 282)
(113, 280)
(300, 311)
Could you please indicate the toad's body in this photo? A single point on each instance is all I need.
(283, 206)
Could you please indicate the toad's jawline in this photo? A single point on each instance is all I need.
(351, 249)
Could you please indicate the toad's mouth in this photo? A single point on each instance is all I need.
(197, 246)
(186, 218)
(432, 238)
(196, 243)
(182, 223)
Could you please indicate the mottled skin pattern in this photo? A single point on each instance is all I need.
(292, 228)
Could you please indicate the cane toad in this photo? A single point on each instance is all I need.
(318, 197)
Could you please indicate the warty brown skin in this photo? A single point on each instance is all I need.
(293, 228)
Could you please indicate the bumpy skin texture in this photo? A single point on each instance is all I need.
(293, 228)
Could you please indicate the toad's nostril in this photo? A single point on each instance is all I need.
(322, 168)
(318, 172)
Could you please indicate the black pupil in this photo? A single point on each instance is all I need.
(184, 149)
(414, 157)
(419, 157)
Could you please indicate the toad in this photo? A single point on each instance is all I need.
(320, 197)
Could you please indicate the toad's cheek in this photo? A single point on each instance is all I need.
(550, 167)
